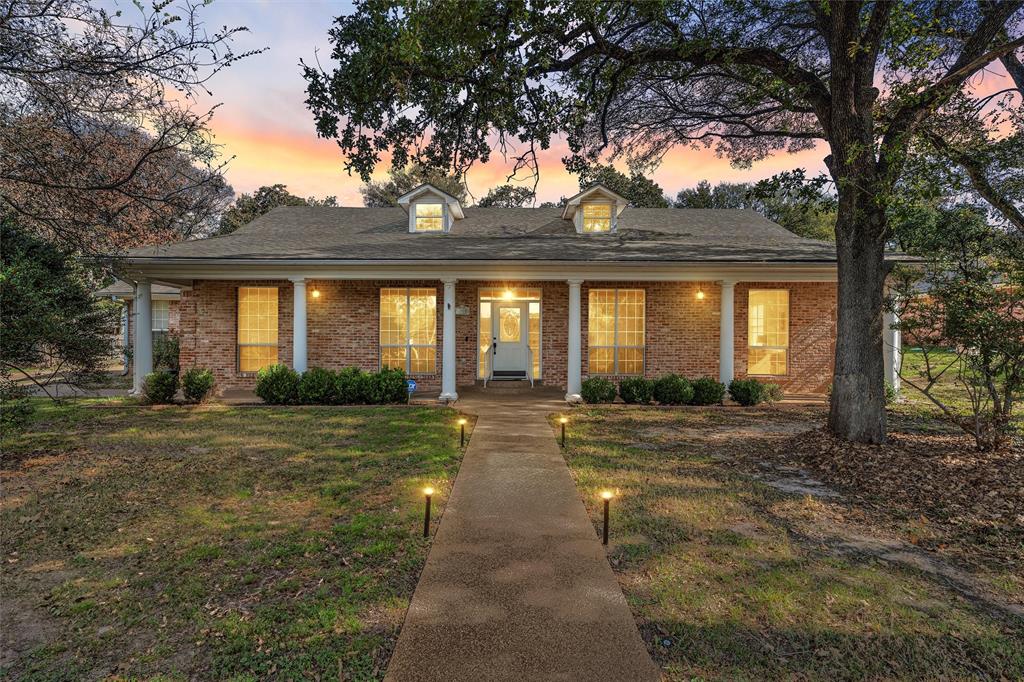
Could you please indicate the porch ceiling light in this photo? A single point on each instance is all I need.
(507, 295)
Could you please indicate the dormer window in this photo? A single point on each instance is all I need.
(430, 209)
(597, 217)
(595, 210)
(429, 217)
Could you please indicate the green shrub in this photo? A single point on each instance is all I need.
(278, 385)
(772, 393)
(317, 386)
(707, 391)
(890, 393)
(673, 389)
(636, 390)
(166, 349)
(160, 387)
(392, 386)
(348, 386)
(15, 408)
(196, 384)
(597, 390)
(747, 392)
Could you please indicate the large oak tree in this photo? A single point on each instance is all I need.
(447, 81)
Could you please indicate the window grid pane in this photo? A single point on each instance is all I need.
(257, 328)
(615, 331)
(408, 329)
(485, 337)
(597, 217)
(429, 218)
(534, 340)
(768, 332)
(161, 315)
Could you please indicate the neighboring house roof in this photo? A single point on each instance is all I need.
(122, 289)
(502, 234)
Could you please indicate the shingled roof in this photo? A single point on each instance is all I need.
(502, 234)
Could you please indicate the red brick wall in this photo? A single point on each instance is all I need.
(681, 331)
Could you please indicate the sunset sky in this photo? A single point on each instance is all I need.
(263, 122)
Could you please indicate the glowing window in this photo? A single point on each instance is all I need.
(257, 328)
(615, 331)
(429, 218)
(768, 332)
(597, 217)
(408, 329)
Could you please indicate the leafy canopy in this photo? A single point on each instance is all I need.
(249, 207)
(381, 194)
(507, 196)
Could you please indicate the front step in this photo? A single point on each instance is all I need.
(510, 375)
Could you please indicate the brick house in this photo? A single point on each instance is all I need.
(457, 295)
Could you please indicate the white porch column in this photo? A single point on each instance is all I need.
(143, 354)
(574, 358)
(448, 392)
(726, 333)
(892, 349)
(299, 324)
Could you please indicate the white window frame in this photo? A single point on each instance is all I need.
(615, 336)
(166, 304)
(408, 345)
(238, 329)
(413, 218)
(612, 223)
(789, 330)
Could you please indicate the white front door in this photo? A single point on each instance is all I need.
(511, 336)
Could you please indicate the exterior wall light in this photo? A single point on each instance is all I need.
(700, 294)
(316, 293)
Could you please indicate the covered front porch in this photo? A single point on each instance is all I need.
(479, 323)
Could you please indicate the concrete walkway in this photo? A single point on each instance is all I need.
(517, 585)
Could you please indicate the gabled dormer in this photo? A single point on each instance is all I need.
(595, 210)
(430, 209)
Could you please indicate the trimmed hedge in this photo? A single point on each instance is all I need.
(317, 386)
(636, 390)
(278, 385)
(281, 385)
(673, 389)
(196, 384)
(707, 391)
(160, 387)
(597, 390)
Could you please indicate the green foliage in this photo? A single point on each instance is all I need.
(278, 385)
(722, 195)
(159, 388)
(597, 390)
(166, 351)
(196, 384)
(385, 193)
(383, 387)
(773, 393)
(348, 386)
(318, 386)
(48, 315)
(749, 392)
(640, 190)
(802, 205)
(15, 408)
(636, 390)
(707, 391)
(672, 389)
(249, 207)
(969, 324)
(890, 393)
(508, 196)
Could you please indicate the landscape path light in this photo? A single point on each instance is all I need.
(427, 493)
(563, 421)
(607, 496)
(462, 432)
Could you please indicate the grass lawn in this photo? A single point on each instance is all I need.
(215, 542)
(729, 578)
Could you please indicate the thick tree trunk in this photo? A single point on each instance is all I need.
(857, 411)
